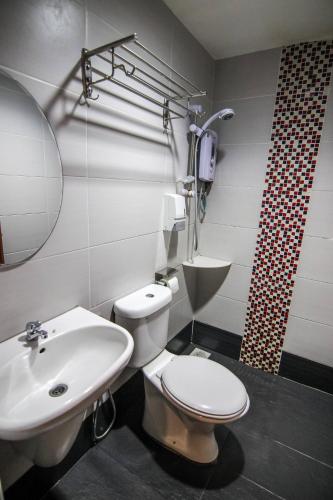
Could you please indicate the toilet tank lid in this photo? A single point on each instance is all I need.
(143, 302)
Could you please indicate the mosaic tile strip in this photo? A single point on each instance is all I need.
(303, 84)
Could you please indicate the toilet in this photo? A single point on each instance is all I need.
(185, 396)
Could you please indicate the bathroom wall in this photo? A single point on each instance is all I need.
(117, 159)
(117, 163)
(248, 84)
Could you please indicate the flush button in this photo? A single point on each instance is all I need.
(150, 295)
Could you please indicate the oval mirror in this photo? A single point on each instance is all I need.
(30, 174)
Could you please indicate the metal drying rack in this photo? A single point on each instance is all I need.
(164, 87)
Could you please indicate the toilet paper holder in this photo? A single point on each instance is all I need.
(167, 277)
(164, 275)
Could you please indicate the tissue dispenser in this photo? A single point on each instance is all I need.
(174, 212)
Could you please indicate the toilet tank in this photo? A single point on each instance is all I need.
(145, 314)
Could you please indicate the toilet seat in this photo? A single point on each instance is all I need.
(204, 387)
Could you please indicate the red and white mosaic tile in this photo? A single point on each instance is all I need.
(303, 85)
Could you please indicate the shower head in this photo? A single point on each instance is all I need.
(223, 114)
(226, 114)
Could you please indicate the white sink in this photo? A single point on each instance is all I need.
(84, 352)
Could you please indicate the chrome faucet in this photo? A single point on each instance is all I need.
(34, 332)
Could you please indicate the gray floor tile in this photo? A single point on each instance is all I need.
(161, 469)
(98, 477)
(280, 449)
(239, 489)
(279, 469)
(285, 411)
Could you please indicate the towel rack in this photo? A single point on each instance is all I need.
(166, 84)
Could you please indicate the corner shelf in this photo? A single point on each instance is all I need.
(201, 262)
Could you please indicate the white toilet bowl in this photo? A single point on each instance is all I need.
(185, 396)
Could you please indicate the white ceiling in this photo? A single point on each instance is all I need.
(232, 27)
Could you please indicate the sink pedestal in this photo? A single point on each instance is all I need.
(51, 447)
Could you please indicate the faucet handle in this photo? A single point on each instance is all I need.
(32, 326)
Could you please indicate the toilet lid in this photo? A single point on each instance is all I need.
(205, 386)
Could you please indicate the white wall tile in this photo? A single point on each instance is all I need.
(316, 260)
(188, 55)
(119, 209)
(241, 165)
(173, 247)
(71, 230)
(309, 340)
(313, 300)
(237, 283)
(327, 133)
(252, 122)
(176, 156)
(122, 147)
(319, 221)
(182, 292)
(100, 32)
(234, 206)
(43, 39)
(249, 75)
(41, 289)
(224, 313)
(121, 267)
(122, 141)
(150, 19)
(67, 119)
(323, 176)
(233, 244)
(180, 316)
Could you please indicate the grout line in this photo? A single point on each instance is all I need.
(230, 225)
(220, 186)
(96, 246)
(313, 190)
(262, 487)
(244, 144)
(204, 489)
(23, 214)
(39, 80)
(308, 235)
(231, 298)
(233, 99)
(311, 320)
(169, 183)
(301, 383)
(311, 279)
(304, 454)
(240, 186)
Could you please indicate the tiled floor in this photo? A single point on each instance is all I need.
(281, 449)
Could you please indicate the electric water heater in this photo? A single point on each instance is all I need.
(207, 159)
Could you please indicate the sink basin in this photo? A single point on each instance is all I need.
(47, 383)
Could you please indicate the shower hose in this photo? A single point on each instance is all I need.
(200, 203)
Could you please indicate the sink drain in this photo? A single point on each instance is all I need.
(58, 390)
